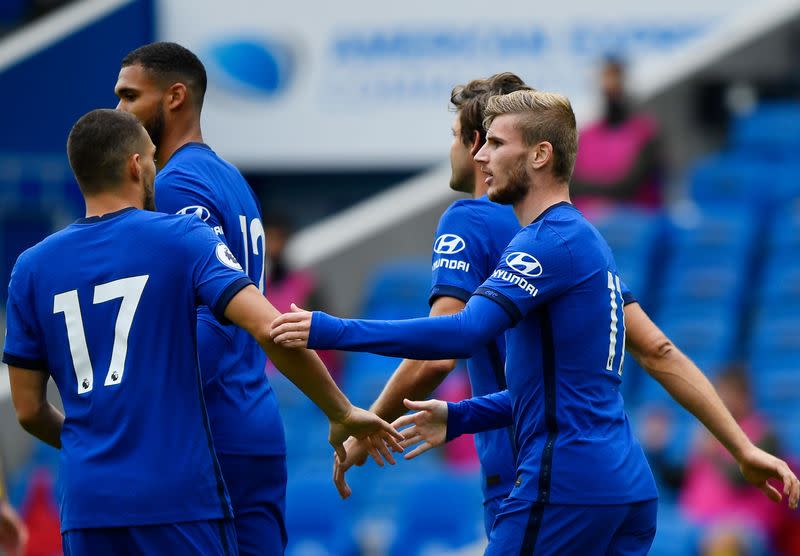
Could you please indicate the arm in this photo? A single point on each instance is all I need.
(36, 415)
(689, 387)
(436, 422)
(415, 379)
(479, 414)
(251, 311)
(452, 336)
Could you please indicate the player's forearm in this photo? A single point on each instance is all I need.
(689, 387)
(414, 380)
(445, 337)
(45, 424)
(479, 414)
(307, 371)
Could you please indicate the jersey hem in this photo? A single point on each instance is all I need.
(447, 290)
(504, 302)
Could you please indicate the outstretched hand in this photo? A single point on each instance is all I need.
(360, 423)
(428, 425)
(292, 329)
(757, 466)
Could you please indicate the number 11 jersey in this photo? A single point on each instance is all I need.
(108, 307)
(558, 281)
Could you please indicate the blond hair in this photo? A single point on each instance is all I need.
(542, 117)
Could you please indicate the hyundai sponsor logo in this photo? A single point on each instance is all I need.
(452, 264)
(517, 280)
(448, 244)
(261, 66)
(525, 264)
(200, 212)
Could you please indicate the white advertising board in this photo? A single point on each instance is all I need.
(360, 83)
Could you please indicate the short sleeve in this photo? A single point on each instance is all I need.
(459, 258)
(535, 267)
(217, 275)
(181, 193)
(23, 344)
(627, 294)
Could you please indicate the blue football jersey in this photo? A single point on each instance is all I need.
(471, 236)
(108, 307)
(242, 407)
(558, 280)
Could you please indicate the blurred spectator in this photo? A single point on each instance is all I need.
(618, 156)
(41, 515)
(738, 516)
(13, 533)
(658, 431)
(285, 286)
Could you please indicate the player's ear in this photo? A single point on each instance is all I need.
(134, 167)
(177, 96)
(542, 154)
(476, 143)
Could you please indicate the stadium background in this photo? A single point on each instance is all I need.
(337, 114)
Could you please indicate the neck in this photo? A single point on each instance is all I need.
(176, 136)
(539, 198)
(105, 203)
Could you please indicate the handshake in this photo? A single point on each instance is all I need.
(427, 426)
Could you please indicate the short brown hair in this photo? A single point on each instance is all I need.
(543, 117)
(100, 144)
(470, 101)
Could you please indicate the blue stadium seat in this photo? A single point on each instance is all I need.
(365, 374)
(633, 235)
(775, 339)
(780, 293)
(723, 229)
(727, 178)
(317, 520)
(675, 536)
(784, 236)
(441, 511)
(403, 285)
(770, 130)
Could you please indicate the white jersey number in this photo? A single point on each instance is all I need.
(256, 230)
(130, 290)
(614, 291)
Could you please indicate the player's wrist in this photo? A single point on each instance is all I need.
(340, 413)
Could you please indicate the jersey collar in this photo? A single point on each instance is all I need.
(551, 207)
(104, 217)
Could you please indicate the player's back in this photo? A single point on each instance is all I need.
(470, 238)
(197, 181)
(564, 366)
(114, 299)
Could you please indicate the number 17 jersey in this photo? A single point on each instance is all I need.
(107, 307)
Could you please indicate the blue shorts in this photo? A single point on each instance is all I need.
(526, 528)
(257, 487)
(191, 538)
(490, 510)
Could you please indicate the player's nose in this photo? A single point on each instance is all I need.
(481, 155)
